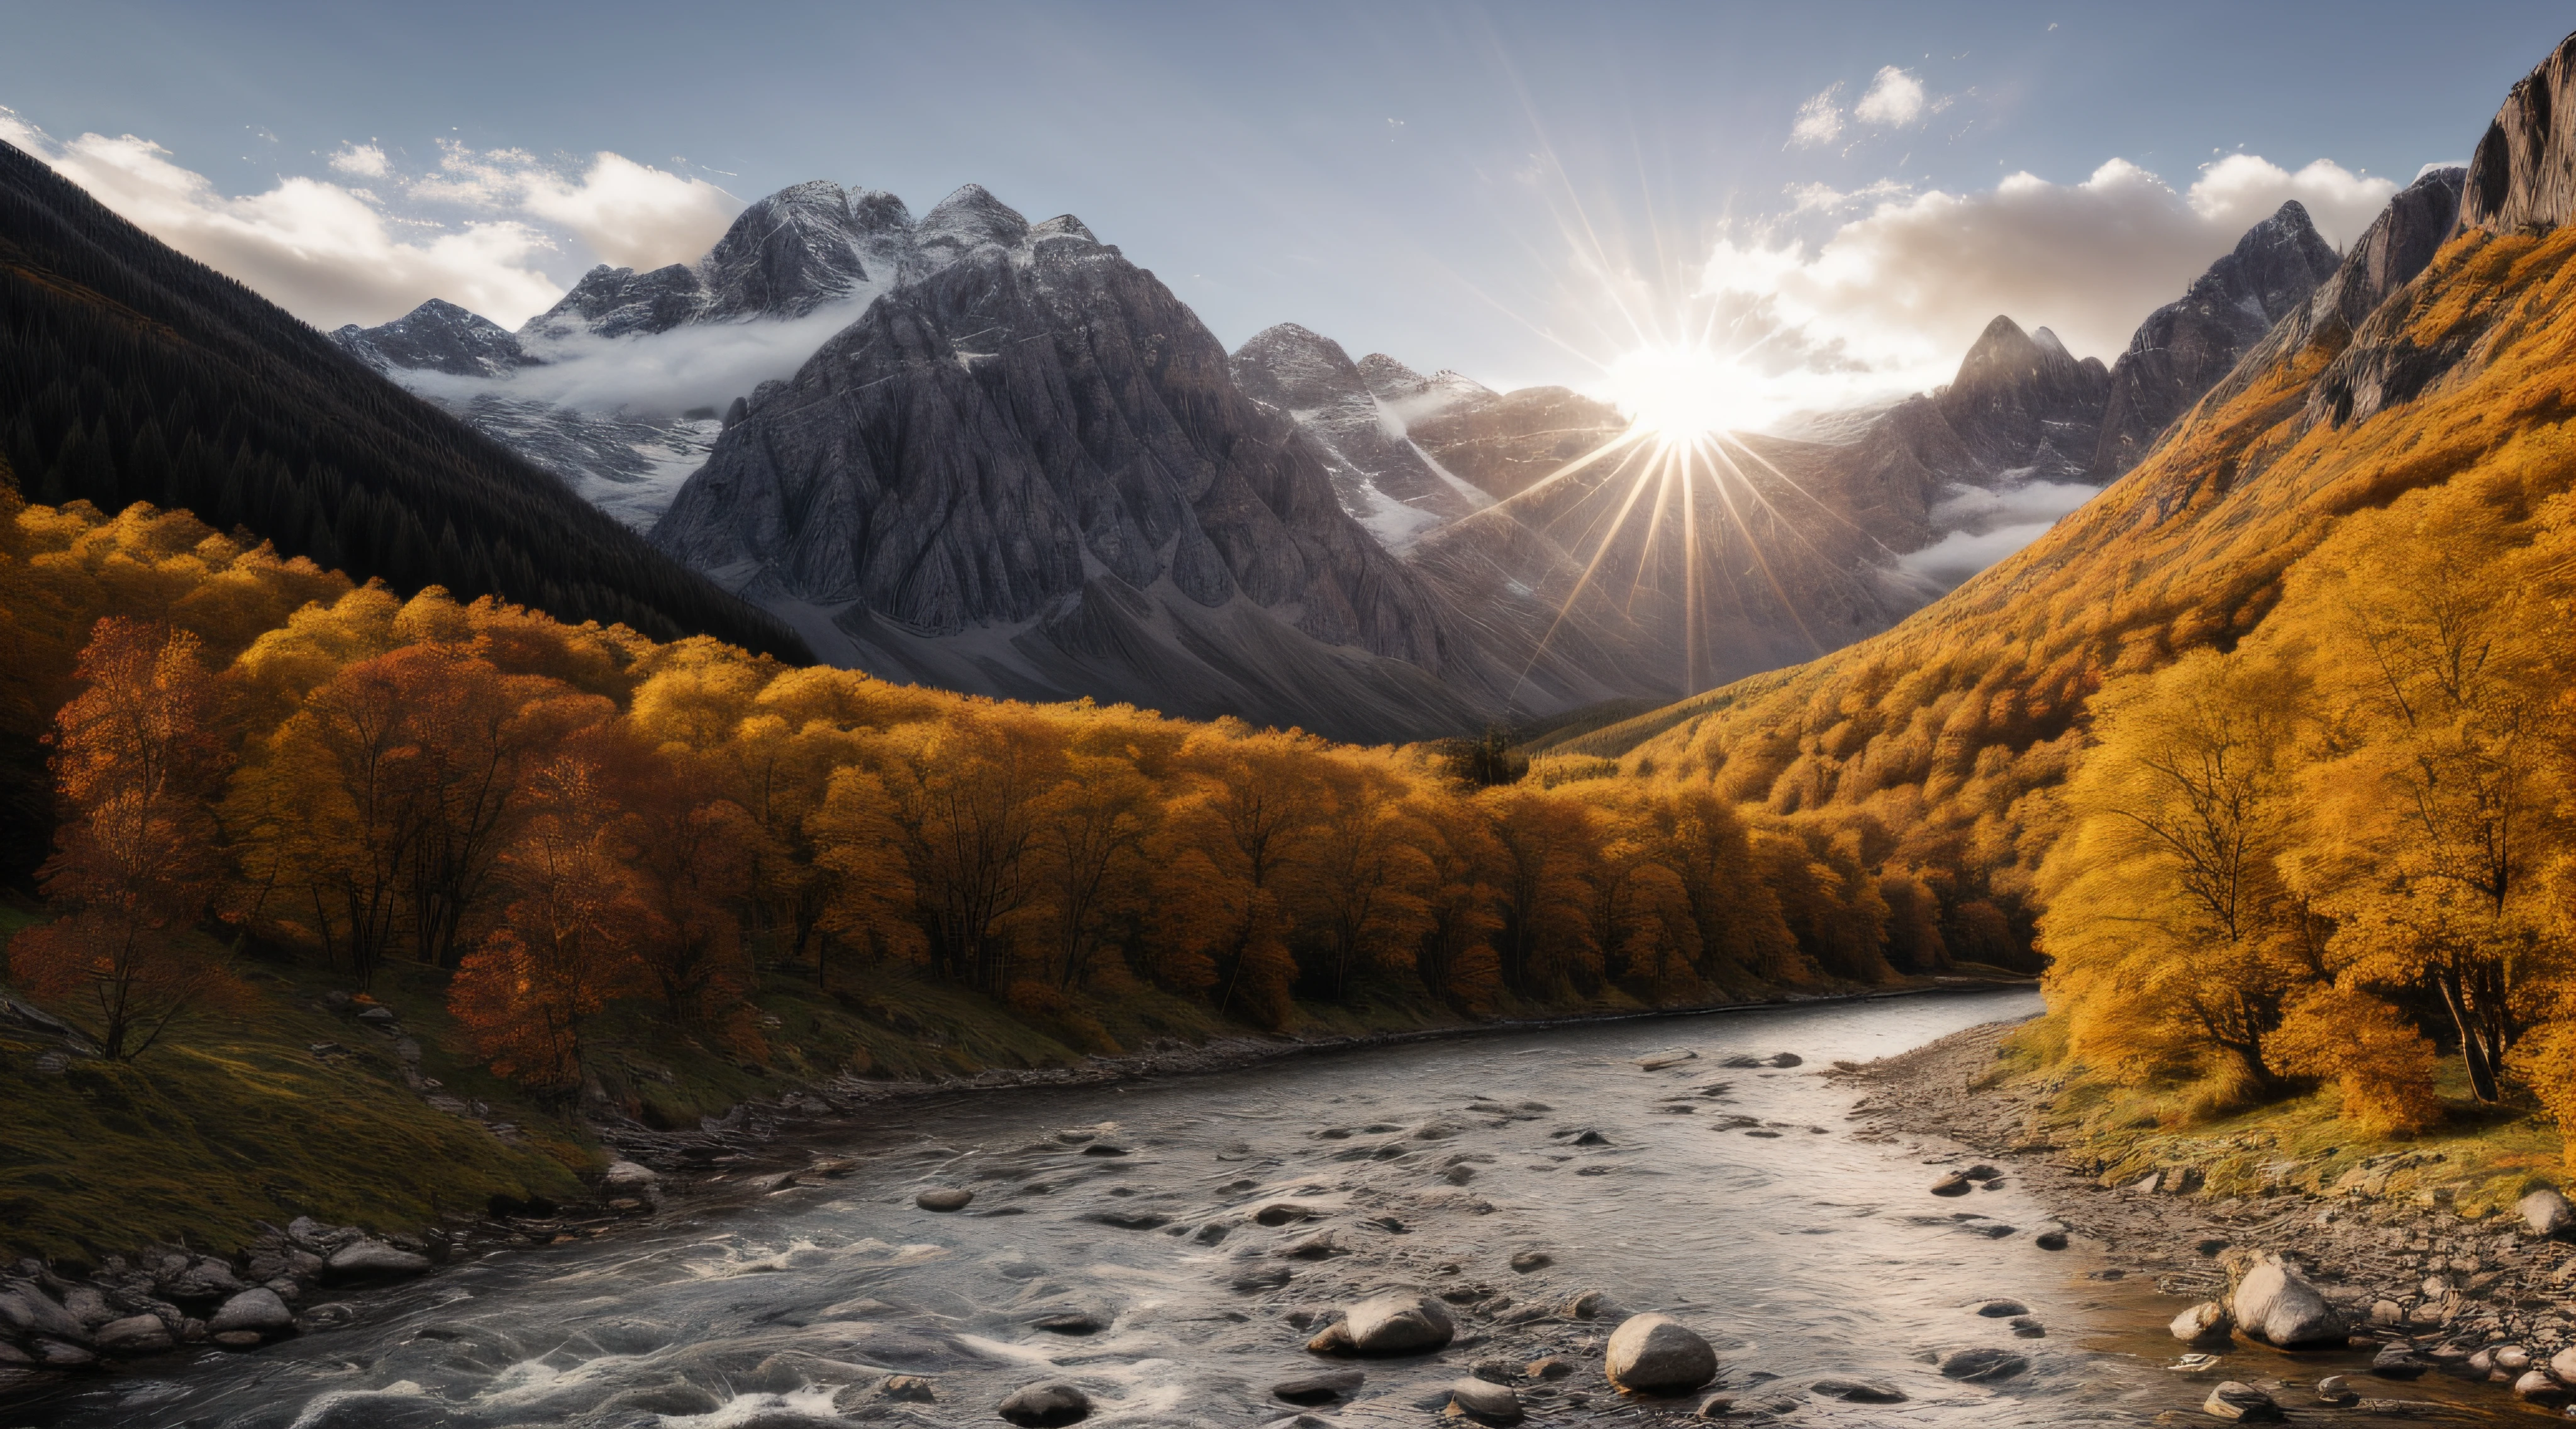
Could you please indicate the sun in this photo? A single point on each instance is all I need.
(1683, 392)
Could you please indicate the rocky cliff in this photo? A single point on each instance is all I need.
(2186, 346)
(1028, 470)
(1384, 479)
(2522, 177)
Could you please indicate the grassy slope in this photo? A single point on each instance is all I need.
(236, 1121)
(2187, 549)
(2478, 1163)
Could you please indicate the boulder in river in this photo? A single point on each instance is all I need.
(1953, 1184)
(1859, 1391)
(2000, 1309)
(1326, 1388)
(374, 1260)
(1530, 1260)
(2242, 1403)
(2399, 1361)
(1047, 1405)
(1982, 1365)
(259, 1311)
(2563, 1364)
(1399, 1324)
(2546, 1212)
(30, 1311)
(2274, 1303)
(2204, 1321)
(1787, 1059)
(2541, 1387)
(1656, 1354)
(134, 1335)
(1486, 1403)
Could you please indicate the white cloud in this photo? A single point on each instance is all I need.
(1895, 100)
(1898, 295)
(2242, 190)
(633, 215)
(1820, 120)
(313, 247)
(333, 254)
(366, 161)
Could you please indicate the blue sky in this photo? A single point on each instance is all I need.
(1517, 191)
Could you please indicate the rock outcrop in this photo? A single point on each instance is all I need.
(1384, 480)
(2522, 177)
(2185, 347)
(1029, 472)
(437, 336)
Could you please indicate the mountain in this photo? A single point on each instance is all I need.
(618, 387)
(131, 373)
(2416, 361)
(1383, 478)
(1809, 541)
(2186, 346)
(1027, 470)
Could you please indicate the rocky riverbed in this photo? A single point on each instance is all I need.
(2430, 1315)
(1649, 1222)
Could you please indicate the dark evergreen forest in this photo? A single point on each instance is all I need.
(129, 372)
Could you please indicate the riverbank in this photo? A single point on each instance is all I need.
(2388, 1237)
(377, 1066)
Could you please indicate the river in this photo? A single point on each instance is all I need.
(1741, 1201)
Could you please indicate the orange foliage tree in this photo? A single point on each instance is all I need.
(137, 761)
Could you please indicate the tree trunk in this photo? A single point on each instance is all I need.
(2474, 1048)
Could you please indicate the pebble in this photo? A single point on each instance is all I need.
(1953, 1184)
(1323, 1388)
(944, 1198)
(1530, 1260)
(1859, 1391)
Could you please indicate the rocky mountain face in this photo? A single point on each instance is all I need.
(1028, 470)
(2522, 177)
(1383, 478)
(2186, 346)
(437, 336)
(1808, 542)
(803, 251)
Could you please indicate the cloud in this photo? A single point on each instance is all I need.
(1898, 294)
(334, 254)
(1820, 120)
(1894, 100)
(630, 214)
(633, 215)
(366, 161)
(313, 247)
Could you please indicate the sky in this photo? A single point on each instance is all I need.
(1836, 196)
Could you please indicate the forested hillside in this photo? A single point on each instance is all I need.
(131, 373)
(2266, 748)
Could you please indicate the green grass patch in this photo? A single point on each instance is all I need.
(2477, 1162)
(237, 1121)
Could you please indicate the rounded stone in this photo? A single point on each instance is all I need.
(1486, 1403)
(1981, 1365)
(944, 1198)
(259, 1311)
(1859, 1391)
(1656, 1354)
(2206, 1320)
(1046, 1406)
